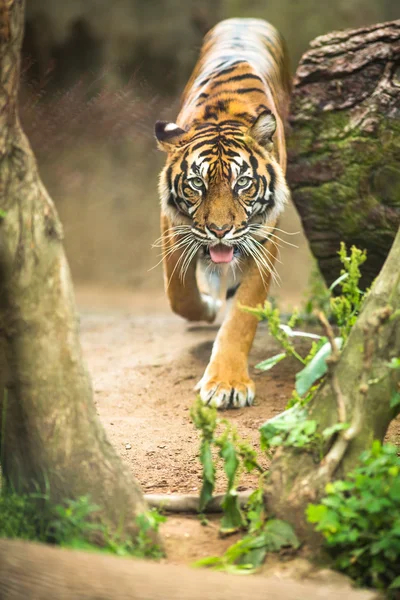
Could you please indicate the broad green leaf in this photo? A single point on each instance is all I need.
(395, 400)
(316, 512)
(284, 422)
(233, 518)
(254, 557)
(208, 474)
(209, 561)
(231, 462)
(395, 584)
(394, 363)
(278, 534)
(329, 431)
(267, 364)
(315, 369)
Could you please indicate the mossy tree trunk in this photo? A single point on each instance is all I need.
(51, 437)
(344, 145)
(358, 390)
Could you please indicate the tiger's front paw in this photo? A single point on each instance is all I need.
(226, 389)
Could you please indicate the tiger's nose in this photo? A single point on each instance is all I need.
(219, 231)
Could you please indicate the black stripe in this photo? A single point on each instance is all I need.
(249, 90)
(245, 115)
(209, 113)
(272, 175)
(236, 78)
(232, 291)
(254, 162)
(211, 142)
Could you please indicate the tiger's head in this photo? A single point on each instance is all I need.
(222, 184)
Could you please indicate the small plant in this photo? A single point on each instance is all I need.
(346, 306)
(235, 454)
(360, 519)
(71, 525)
(343, 309)
(290, 428)
(249, 552)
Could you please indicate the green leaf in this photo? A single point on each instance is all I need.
(2, 213)
(266, 365)
(316, 512)
(395, 400)
(278, 534)
(395, 584)
(208, 561)
(233, 518)
(208, 474)
(329, 431)
(315, 369)
(394, 363)
(231, 462)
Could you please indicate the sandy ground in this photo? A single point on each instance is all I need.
(144, 362)
(144, 365)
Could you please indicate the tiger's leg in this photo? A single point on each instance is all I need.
(185, 297)
(226, 379)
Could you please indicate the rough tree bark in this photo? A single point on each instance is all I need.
(344, 146)
(51, 436)
(358, 390)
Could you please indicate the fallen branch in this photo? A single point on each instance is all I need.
(186, 503)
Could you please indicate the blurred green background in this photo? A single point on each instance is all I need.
(96, 74)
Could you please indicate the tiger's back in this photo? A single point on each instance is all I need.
(243, 68)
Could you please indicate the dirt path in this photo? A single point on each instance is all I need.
(144, 362)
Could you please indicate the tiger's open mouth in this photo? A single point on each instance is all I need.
(221, 253)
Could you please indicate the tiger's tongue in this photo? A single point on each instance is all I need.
(221, 253)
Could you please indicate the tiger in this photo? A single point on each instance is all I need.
(222, 190)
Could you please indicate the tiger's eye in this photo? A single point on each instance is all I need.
(196, 182)
(243, 182)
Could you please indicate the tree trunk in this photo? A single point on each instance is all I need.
(361, 385)
(33, 571)
(51, 437)
(344, 146)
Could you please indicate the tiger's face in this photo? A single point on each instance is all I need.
(222, 184)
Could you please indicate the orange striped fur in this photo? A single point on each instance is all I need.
(223, 188)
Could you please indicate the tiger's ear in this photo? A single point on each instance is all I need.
(263, 128)
(168, 134)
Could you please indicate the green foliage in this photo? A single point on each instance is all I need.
(290, 428)
(267, 364)
(72, 525)
(235, 454)
(360, 519)
(249, 552)
(394, 363)
(281, 332)
(346, 307)
(316, 366)
(395, 400)
(343, 308)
